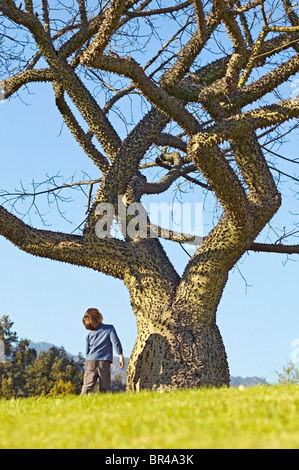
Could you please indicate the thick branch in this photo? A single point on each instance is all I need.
(13, 84)
(169, 140)
(200, 18)
(262, 86)
(186, 58)
(82, 138)
(89, 109)
(263, 196)
(237, 58)
(77, 41)
(206, 273)
(126, 162)
(83, 13)
(248, 6)
(46, 16)
(258, 118)
(254, 168)
(222, 179)
(33, 24)
(293, 17)
(271, 248)
(106, 29)
(108, 256)
(290, 10)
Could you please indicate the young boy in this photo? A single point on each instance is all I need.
(99, 342)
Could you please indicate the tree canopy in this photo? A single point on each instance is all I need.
(215, 72)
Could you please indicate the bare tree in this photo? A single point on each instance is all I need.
(208, 80)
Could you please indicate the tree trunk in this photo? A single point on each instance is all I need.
(176, 354)
(178, 342)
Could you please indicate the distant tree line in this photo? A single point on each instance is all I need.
(50, 373)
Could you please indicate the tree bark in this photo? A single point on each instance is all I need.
(178, 344)
(176, 353)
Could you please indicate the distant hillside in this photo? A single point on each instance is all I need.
(115, 369)
(40, 346)
(247, 381)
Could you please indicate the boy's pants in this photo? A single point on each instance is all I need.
(93, 371)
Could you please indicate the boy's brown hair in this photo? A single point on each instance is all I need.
(92, 319)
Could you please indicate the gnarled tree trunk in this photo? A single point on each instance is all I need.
(175, 354)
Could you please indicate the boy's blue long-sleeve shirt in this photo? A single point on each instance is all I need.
(100, 342)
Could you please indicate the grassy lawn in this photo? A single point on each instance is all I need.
(258, 417)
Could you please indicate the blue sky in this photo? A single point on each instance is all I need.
(46, 299)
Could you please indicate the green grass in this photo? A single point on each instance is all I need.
(259, 417)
